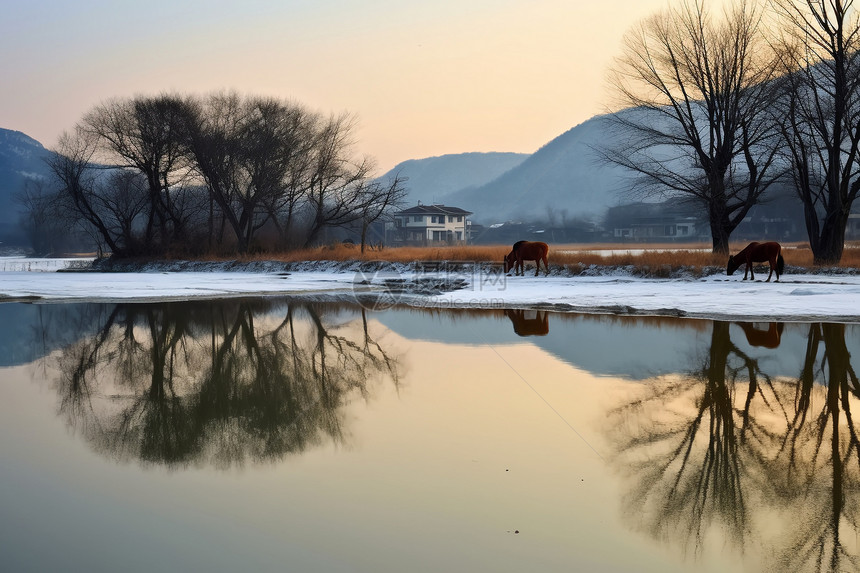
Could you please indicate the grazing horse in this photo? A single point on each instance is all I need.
(765, 338)
(758, 253)
(526, 251)
(529, 322)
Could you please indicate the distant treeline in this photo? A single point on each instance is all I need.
(192, 175)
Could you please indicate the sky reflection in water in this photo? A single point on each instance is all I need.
(270, 434)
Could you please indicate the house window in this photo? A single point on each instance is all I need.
(417, 218)
(459, 235)
(460, 218)
(450, 218)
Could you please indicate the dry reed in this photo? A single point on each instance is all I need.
(652, 259)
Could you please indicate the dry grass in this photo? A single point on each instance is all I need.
(663, 259)
(342, 252)
(651, 259)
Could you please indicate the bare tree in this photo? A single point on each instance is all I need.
(148, 134)
(259, 164)
(379, 198)
(39, 217)
(71, 164)
(276, 144)
(123, 201)
(820, 115)
(246, 151)
(699, 87)
(336, 192)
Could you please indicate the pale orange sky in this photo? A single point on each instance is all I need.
(424, 79)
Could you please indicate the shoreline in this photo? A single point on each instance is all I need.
(825, 296)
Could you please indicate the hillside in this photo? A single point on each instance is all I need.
(21, 158)
(433, 179)
(564, 177)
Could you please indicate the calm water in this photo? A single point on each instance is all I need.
(275, 435)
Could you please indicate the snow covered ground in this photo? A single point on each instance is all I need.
(794, 298)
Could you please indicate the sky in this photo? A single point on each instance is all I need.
(423, 78)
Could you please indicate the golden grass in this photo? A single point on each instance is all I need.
(695, 257)
(654, 259)
(391, 254)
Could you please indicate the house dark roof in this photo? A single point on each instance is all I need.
(433, 210)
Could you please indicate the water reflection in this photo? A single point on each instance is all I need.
(765, 337)
(737, 435)
(651, 344)
(529, 322)
(221, 384)
(701, 452)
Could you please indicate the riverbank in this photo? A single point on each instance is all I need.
(825, 296)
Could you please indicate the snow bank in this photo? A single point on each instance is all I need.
(797, 297)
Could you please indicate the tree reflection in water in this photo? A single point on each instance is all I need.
(218, 383)
(737, 454)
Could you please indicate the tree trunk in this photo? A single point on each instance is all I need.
(827, 249)
(363, 234)
(719, 236)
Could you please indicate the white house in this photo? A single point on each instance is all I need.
(427, 224)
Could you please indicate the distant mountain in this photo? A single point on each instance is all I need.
(564, 177)
(433, 179)
(21, 158)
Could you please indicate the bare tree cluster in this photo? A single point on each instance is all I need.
(730, 446)
(819, 114)
(720, 107)
(699, 86)
(221, 173)
(222, 384)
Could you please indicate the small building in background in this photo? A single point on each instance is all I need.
(427, 225)
(656, 222)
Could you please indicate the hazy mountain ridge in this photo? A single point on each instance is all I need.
(564, 178)
(433, 179)
(16, 144)
(21, 158)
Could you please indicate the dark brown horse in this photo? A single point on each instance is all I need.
(529, 322)
(758, 253)
(526, 251)
(765, 338)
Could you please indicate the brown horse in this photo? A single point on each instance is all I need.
(529, 322)
(765, 338)
(526, 251)
(758, 253)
